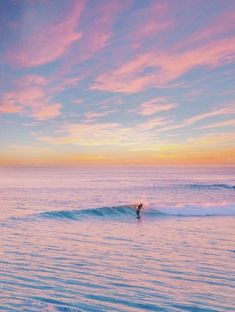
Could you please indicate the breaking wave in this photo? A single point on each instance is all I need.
(211, 186)
(103, 212)
(128, 212)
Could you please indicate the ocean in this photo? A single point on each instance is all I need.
(70, 239)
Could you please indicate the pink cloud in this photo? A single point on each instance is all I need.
(60, 82)
(131, 77)
(218, 112)
(225, 123)
(91, 116)
(8, 107)
(46, 43)
(154, 106)
(153, 123)
(148, 22)
(29, 98)
(28, 80)
(199, 117)
(97, 32)
(47, 111)
(65, 83)
(222, 25)
(77, 102)
(87, 134)
(106, 134)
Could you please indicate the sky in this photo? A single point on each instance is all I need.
(105, 82)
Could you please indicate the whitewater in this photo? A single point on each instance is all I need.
(70, 239)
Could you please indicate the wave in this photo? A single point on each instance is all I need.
(211, 186)
(103, 212)
(128, 212)
(199, 211)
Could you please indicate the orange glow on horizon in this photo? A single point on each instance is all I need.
(177, 157)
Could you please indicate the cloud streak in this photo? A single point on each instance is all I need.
(46, 42)
(117, 77)
(131, 77)
(30, 98)
(221, 124)
(154, 106)
(91, 116)
(199, 117)
(106, 134)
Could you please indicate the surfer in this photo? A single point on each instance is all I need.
(138, 208)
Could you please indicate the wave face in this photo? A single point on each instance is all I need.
(210, 186)
(104, 212)
(128, 212)
(118, 212)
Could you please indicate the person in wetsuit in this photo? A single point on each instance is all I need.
(138, 208)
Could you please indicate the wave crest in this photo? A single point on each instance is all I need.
(211, 186)
(104, 212)
(128, 212)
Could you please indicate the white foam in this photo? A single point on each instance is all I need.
(195, 210)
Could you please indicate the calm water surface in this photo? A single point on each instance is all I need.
(70, 240)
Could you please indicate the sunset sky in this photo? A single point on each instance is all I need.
(117, 82)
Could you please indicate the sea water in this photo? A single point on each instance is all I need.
(70, 239)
